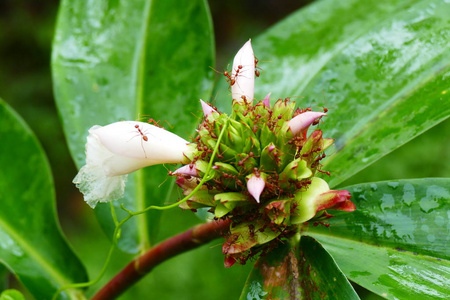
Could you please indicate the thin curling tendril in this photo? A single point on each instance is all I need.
(118, 225)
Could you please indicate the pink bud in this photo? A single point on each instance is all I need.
(338, 200)
(207, 109)
(229, 261)
(266, 100)
(303, 120)
(255, 186)
(187, 170)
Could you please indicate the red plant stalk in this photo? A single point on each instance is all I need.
(139, 267)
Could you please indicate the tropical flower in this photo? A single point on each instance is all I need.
(115, 150)
(263, 177)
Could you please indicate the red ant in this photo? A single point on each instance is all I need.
(144, 137)
(238, 69)
(227, 74)
(325, 172)
(257, 72)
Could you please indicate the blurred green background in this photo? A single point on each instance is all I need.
(26, 31)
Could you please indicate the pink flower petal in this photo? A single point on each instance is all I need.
(266, 100)
(255, 186)
(207, 109)
(187, 170)
(303, 121)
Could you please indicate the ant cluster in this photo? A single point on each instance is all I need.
(231, 77)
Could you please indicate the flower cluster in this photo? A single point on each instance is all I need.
(263, 165)
(263, 176)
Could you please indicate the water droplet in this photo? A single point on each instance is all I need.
(431, 238)
(433, 199)
(256, 291)
(358, 273)
(393, 185)
(7, 243)
(388, 201)
(357, 189)
(427, 205)
(439, 221)
(374, 187)
(408, 194)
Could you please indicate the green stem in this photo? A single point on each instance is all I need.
(140, 266)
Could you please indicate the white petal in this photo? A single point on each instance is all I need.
(96, 186)
(243, 73)
(148, 143)
(120, 148)
(93, 179)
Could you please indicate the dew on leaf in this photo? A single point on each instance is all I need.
(393, 185)
(10, 245)
(256, 292)
(427, 205)
(425, 228)
(408, 194)
(387, 201)
(439, 221)
(435, 195)
(362, 197)
(357, 189)
(431, 238)
(374, 187)
(355, 274)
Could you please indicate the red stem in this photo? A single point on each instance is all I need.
(136, 269)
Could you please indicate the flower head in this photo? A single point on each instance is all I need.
(263, 174)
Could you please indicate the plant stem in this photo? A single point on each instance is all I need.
(183, 242)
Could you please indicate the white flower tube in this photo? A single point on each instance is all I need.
(120, 148)
(243, 74)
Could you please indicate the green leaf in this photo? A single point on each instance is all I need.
(305, 273)
(32, 245)
(127, 60)
(380, 67)
(11, 295)
(396, 242)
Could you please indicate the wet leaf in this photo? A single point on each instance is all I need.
(396, 242)
(380, 67)
(126, 61)
(32, 245)
(11, 295)
(308, 272)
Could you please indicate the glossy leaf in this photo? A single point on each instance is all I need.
(396, 242)
(380, 67)
(11, 295)
(132, 60)
(32, 245)
(305, 273)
